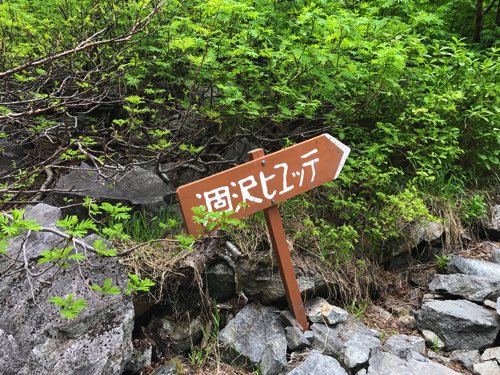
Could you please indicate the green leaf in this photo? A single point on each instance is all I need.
(70, 307)
(107, 288)
(136, 284)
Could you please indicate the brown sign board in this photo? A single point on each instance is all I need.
(265, 181)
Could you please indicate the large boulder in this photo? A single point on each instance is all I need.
(136, 186)
(470, 287)
(460, 324)
(255, 337)
(318, 364)
(382, 363)
(350, 342)
(36, 339)
(474, 267)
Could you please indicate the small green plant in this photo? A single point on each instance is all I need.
(436, 344)
(196, 356)
(75, 227)
(60, 257)
(473, 208)
(13, 225)
(102, 249)
(107, 288)
(186, 242)
(142, 227)
(442, 262)
(211, 221)
(69, 306)
(136, 284)
(357, 308)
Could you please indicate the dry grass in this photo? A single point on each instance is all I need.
(158, 261)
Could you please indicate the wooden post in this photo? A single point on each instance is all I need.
(280, 246)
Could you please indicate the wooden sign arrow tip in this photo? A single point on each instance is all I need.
(345, 152)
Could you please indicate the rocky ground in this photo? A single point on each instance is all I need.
(426, 322)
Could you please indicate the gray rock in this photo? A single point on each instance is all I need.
(361, 372)
(309, 335)
(425, 232)
(274, 356)
(492, 248)
(245, 338)
(495, 255)
(179, 336)
(438, 358)
(492, 228)
(490, 304)
(46, 216)
(401, 345)
(289, 320)
(319, 310)
(407, 321)
(296, 339)
(474, 267)
(378, 313)
(137, 186)
(318, 364)
(262, 282)
(98, 341)
(428, 232)
(141, 356)
(171, 368)
(466, 358)
(487, 368)
(470, 287)
(11, 155)
(238, 150)
(350, 342)
(491, 353)
(432, 340)
(382, 363)
(220, 282)
(459, 323)
(498, 306)
(431, 296)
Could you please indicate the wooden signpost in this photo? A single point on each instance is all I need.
(261, 184)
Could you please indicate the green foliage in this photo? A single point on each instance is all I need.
(442, 262)
(102, 249)
(474, 207)
(398, 81)
(107, 288)
(18, 224)
(186, 242)
(142, 227)
(137, 284)
(75, 227)
(211, 221)
(111, 217)
(61, 257)
(13, 226)
(358, 308)
(70, 307)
